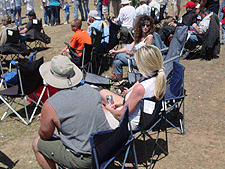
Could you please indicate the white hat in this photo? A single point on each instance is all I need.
(94, 14)
(125, 2)
(60, 72)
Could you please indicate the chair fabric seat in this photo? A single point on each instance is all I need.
(12, 92)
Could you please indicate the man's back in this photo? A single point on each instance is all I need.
(127, 15)
(78, 39)
(80, 113)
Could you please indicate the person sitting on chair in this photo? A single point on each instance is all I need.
(78, 39)
(6, 22)
(150, 64)
(187, 19)
(143, 34)
(75, 111)
(31, 15)
(94, 21)
(202, 27)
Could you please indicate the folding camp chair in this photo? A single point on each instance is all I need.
(85, 61)
(175, 49)
(174, 97)
(108, 145)
(29, 80)
(14, 45)
(37, 35)
(150, 117)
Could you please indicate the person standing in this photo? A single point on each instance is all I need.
(47, 12)
(67, 13)
(55, 6)
(30, 5)
(77, 5)
(9, 8)
(86, 9)
(17, 10)
(223, 26)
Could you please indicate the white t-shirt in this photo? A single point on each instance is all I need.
(127, 16)
(143, 9)
(30, 5)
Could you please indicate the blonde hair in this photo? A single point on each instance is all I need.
(150, 62)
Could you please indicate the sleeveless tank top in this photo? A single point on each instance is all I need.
(149, 86)
(142, 43)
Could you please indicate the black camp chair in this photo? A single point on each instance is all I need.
(14, 45)
(29, 80)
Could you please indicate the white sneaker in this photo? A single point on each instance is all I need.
(45, 25)
(65, 23)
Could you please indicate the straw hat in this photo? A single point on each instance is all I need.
(125, 2)
(60, 72)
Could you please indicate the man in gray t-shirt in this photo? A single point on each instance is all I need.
(75, 111)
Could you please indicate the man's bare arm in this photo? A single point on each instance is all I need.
(49, 120)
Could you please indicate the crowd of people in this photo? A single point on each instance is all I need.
(72, 149)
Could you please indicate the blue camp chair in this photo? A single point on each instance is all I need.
(107, 145)
(175, 94)
(150, 117)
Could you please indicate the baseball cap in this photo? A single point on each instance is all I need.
(190, 4)
(31, 13)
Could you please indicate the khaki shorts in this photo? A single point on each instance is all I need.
(56, 151)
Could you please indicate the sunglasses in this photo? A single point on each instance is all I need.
(72, 25)
(147, 25)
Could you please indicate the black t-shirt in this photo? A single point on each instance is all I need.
(29, 25)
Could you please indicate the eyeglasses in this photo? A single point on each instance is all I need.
(72, 25)
(147, 25)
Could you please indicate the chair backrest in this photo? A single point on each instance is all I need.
(150, 109)
(106, 144)
(113, 39)
(37, 24)
(29, 76)
(13, 35)
(177, 79)
(96, 37)
(86, 54)
(176, 48)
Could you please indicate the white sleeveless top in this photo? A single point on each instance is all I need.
(149, 86)
(142, 43)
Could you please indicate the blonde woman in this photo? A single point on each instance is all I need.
(150, 63)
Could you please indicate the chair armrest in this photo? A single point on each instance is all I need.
(67, 44)
(130, 57)
(164, 49)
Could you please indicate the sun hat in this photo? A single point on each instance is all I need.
(94, 14)
(125, 2)
(190, 4)
(31, 13)
(60, 72)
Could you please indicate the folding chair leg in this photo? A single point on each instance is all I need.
(37, 104)
(13, 111)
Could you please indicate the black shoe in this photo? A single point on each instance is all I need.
(83, 19)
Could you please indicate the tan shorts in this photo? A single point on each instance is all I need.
(56, 151)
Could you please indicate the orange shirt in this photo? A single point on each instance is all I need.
(78, 39)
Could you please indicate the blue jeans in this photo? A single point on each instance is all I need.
(221, 13)
(99, 8)
(47, 15)
(55, 15)
(194, 39)
(86, 9)
(77, 4)
(15, 11)
(223, 34)
(119, 61)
